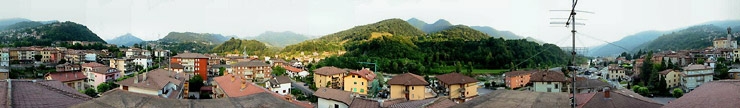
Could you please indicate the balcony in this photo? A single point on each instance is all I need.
(461, 90)
(406, 91)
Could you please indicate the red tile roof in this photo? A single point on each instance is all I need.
(155, 79)
(39, 94)
(407, 79)
(517, 73)
(364, 73)
(455, 78)
(716, 94)
(93, 64)
(334, 94)
(66, 76)
(190, 55)
(292, 69)
(234, 88)
(548, 76)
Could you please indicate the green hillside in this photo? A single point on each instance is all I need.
(696, 37)
(46, 35)
(125, 40)
(239, 46)
(459, 32)
(395, 26)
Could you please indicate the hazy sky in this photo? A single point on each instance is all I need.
(150, 19)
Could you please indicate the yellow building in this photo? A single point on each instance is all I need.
(330, 77)
(408, 86)
(672, 77)
(616, 73)
(358, 81)
(459, 87)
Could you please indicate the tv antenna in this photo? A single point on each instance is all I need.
(572, 20)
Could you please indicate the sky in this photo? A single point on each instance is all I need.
(153, 19)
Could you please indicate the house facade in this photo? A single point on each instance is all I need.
(548, 81)
(330, 77)
(358, 81)
(333, 98)
(254, 69)
(516, 79)
(408, 86)
(159, 82)
(280, 85)
(672, 78)
(458, 87)
(616, 73)
(695, 75)
(193, 63)
(74, 79)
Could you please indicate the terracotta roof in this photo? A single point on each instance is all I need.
(177, 66)
(123, 99)
(665, 72)
(66, 76)
(39, 94)
(364, 103)
(517, 99)
(155, 79)
(292, 69)
(548, 76)
(190, 55)
(334, 94)
(278, 60)
(364, 73)
(517, 73)
(407, 79)
(234, 88)
(253, 63)
(455, 78)
(329, 70)
(93, 64)
(413, 104)
(716, 94)
(696, 67)
(441, 103)
(280, 80)
(622, 99)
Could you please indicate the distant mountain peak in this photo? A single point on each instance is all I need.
(127, 39)
(442, 21)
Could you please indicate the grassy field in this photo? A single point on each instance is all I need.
(475, 71)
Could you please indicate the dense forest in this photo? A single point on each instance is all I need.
(238, 46)
(457, 46)
(48, 34)
(393, 26)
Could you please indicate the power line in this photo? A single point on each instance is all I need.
(607, 42)
(538, 53)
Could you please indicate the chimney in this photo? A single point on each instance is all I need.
(607, 94)
(244, 84)
(232, 78)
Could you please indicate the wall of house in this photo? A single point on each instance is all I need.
(143, 91)
(672, 79)
(616, 74)
(282, 89)
(355, 83)
(471, 90)
(545, 86)
(517, 81)
(415, 92)
(325, 103)
(322, 81)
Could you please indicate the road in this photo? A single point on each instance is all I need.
(304, 89)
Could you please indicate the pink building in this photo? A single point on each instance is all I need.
(97, 73)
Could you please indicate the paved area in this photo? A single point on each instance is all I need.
(483, 91)
(304, 89)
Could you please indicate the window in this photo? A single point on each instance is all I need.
(283, 91)
(362, 83)
(412, 87)
(556, 86)
(354, 89)
(355, 83)
(362, 90)
(336, 106)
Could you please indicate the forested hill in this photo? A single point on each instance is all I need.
(626, 44)
(496, 33)
(194, 37)
(125, 40)
(696, 37)
(238, 46)
(459, 32)
(395, 26)
(47, 34)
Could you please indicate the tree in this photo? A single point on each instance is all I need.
(62, 61)
(90, 92)
(677, 92)
(103, 87)
(721, 71)
(470, 69)
(278, 70)
(221, 71)
(647, 69)
(37, 57)
(195, 83)
(458, 67)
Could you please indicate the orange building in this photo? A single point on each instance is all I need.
(193, 63)
(517, 79)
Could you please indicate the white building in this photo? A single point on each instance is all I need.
(91, 57)
(159, 82)
(279, 84)
(143, 61)
(548, 81)
(161, 53)
(4, 58)
(694, 75)
(333, 98)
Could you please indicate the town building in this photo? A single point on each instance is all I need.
(330, 77)
(278, 62)
(516, 79)
(695, 75)
(725, 43)
(584, 85)
(74, 79)
(4, 57)
(4, 73)
(279, 84)
(358, 81)
(458, 87)
(122, 64)
(161, 53)
(39, 94)
(295, 72)
(716, 94)
(622, 98)
(408, 86)
(158, 82)
(519, 99)
(23, 55)
(254, 69)
(734, 73)
(103, 74)
(333, 98)
(87, 69)
(67, 67)
(616, 73)
(672, 78)
(143, 61)
(194, 63)
(549, 81)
